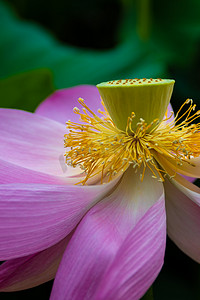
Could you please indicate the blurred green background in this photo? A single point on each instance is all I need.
(57, 44)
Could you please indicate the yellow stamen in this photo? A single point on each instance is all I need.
(98, 147)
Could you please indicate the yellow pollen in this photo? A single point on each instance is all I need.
(97, 146)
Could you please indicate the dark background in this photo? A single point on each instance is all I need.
(56, 44)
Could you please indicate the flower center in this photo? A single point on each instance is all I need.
(97, 146)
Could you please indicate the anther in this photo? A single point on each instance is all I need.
(76, 109)
(160, 180)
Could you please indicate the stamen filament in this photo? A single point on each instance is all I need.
(97, 146)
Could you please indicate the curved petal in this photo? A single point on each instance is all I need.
(139, 259)
(59, 106)
(191, 169)
(11, 173)
(31, 141)
(36, 216)
(29, 271)
(183, 218)
(190, 179)
(188, 188)
(103, 231)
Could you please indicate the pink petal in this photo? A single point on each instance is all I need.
(11, 173)
(59, 106)
(32, 142)
(36, 216)
(188, 188)
(190, 179)
(108, 226)
(29, 271)
(139, 259)
(183, 217)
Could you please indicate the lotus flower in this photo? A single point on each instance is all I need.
(93, 214)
